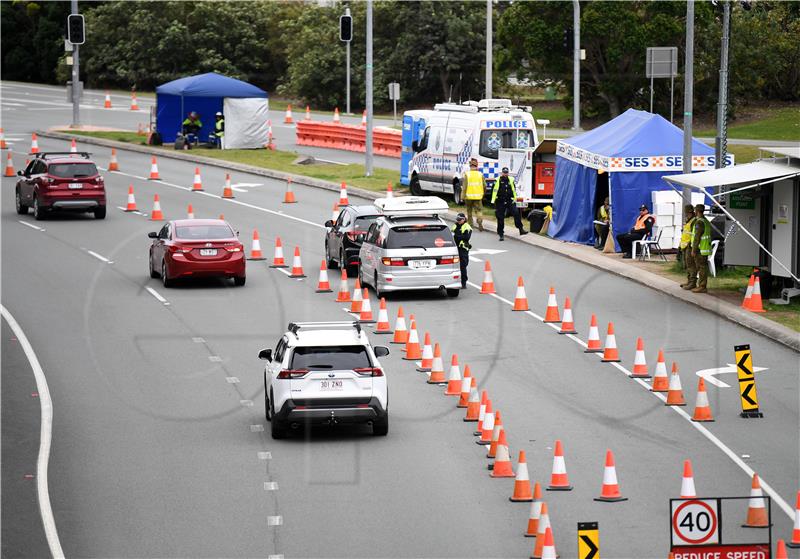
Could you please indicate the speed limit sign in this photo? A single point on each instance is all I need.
(695, 521)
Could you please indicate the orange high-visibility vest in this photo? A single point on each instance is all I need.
(640, 221)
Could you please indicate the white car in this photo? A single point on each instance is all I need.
(325, 373)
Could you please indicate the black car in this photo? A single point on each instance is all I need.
(344, 237)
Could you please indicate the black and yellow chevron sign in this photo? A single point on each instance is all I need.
(747, 381)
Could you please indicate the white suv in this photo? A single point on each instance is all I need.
(325, 373)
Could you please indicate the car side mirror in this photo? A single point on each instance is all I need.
(381, 351)
(265, 355)
(21, 173)
(329, 223)
(152, 235)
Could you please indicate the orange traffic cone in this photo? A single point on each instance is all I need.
(288, 118)
(383, 326)
(437, 366)
(675, 392)
(593, 342)
(794, 543)
(3, 144)
(639, 361)
(780, 549)
(453, 378)
(343, 201)
(756, 509)
(427, 355)
(323, 286)
(549, 548)
(551, 314)
(687, 482)
(9, 172)
(154, 176)
(255, 251)
(365, 317)
(297, 265)
(355, 302)
(269, 145)
(113, 165)
(486, 426)
(498, 428)
(335, 212)
(485, 402)
(749, 293)
(134, 102)
(221, 217)
(467, 383)
(308, 112)
(522, 483)
(34, 144)
(288, 197)
(278, 260)
(343, 296)
(189, 212)
(610, 489)
(473, 404)
(568, 323)
(558, 479)
(487, 286)
(73, 146)
(389, 191)
(107, 102)
(336, 117)
(156, 214)
(536, 511)
(413, 350)
(400, 330)
(131, 207)
(755, 300)
(197, 185)
(364, 118)
(227, 191)
(610, 351)
(520, 299)
(660, 379)
(502, 464)
(702, 409)
(541, 532)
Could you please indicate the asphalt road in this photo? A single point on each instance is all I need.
(158, 451)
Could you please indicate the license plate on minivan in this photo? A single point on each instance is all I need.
(421, 264)
(331, 384)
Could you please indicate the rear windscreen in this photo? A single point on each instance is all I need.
(338, 358)
(204, 232)
(363, 222)
(420, 236)
(72, 170)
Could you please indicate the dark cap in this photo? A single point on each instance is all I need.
(643, 207)
(461, 217)
(504, 170)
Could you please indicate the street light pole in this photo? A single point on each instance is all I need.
(347, 109)
(76, 93)
(488, 49)
(721, 147)
(368, 162)
(688, 93)
(576, 65)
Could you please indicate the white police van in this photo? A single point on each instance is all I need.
(438, 143)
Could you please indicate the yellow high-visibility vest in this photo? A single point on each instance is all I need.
(474, 186)
(686, 234)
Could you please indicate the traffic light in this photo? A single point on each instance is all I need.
(75, 29)
(346, 28)
(569, 37)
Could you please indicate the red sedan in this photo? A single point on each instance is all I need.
(188, 248)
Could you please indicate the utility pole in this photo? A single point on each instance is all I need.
(76, 84)
(368, 162)
(576, 65)
(688, 91)
(721, 144)
(347, 109)
(488, 49)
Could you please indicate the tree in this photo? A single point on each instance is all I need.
(32, 39)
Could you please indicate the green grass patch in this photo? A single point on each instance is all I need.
(776, 124)
(788, 315)
(121, 136)
(730, 278)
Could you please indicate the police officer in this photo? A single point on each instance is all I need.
(701, 247)
(219, 128)
(686, 248)
(462, 233)
(504, 198)
(474, 189)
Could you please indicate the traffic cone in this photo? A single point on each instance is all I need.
(467, 384)
(487, 426)
(593, 342)
(541, 532)
(687, 483)
(355, 302)
(551, 314)
(610, 352)
(113, 165)
(749, 293)
(323, 286)
(437, 366)
(481, 413)
(660, 379)
(131, 207)
(227, 191)
(610, 489)
(197, 185)
(278, 260)
(639, 361)
(297, 265)
(756, 509)
(3, 144)
(794, 543)
(9, 172)
(487, 287)
(453, 378)
(780, 549)
(755, 300)
(389, 191)
(336, 118)
(343, 296)
(520, 299)
(34, 144)
(134, 102)
(269, 145)
(473, 404)
(343, 195)
(400, 330)
(549, 548)
(427, 355)
(498, 428)
(288, 197)
(107, 102)
(156, 214)
(558, 479)
(567, 324)
(364, 118)
(383, 326)
(365, 317)
(288, 118)
(536, 511)
(308, 112)
(502, 464)
(675, 392)
(413, 351)
(522, 483)
(221, 217)
(335, 212)
(702, 409)
(255, 251)
(73, 146)
(189, 212)
(154, 176)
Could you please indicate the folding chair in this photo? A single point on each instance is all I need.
(651, 243)
(712, 266)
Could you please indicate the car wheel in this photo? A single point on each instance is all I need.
(330, 262)
(378, 292)
(153, 273)
(453, 292)
(380, 427)
(38, 212)
(22, 209)
(267, 404)
(165, 279)
(239, 280)
(100, 213)
(278, 429)
(416, 189)
(457, 198)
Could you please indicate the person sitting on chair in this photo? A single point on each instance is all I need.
(641, 228)
(191, 127)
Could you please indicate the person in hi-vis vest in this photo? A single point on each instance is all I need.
(701, 247)
(641, 228)
(686, 248)
(474, 189)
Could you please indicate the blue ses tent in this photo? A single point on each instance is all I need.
(623, 159)
(206, 94)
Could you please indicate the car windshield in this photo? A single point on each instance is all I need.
(493, 140)
(334, 358)
(363, 222)
(204, 232)
(420, 236)
(72, 170)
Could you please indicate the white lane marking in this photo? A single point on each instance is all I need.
(155, 294)
(99, 257)
(232, 380)
(265, 456)
(489, 251)
(45, 436)
(705, 432)
(246, 403)
(473, 259)
(708, 374)
(257, 428)
(215, 358)
(275, 520)
(270, 486)
(281, 270)
(31, 225)
(275, 556)
(331, 161)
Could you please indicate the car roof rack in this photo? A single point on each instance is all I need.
(56, 154)
(339, 324)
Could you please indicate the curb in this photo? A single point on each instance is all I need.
(586, 255)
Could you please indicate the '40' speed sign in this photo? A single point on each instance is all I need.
(695, 522)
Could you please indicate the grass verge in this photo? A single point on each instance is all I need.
(770, 124)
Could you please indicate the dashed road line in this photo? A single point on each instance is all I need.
(100, 257)
(31, 225)
(275, 520)
(232, 380)
(157, 295)
(257, 428)
(246, 403)
(265, 456)
(270, 486)
(215, 358)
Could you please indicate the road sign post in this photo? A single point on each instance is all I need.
(394, 95)
(662, 62)
(588, 540)
(747, 382)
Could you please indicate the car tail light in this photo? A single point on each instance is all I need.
(235, 248)
(292, 373)
(393, 261)
(369, 371)
(179, 249)
(449, 260)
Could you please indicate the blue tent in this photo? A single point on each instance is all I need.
(204, 93)
(624, 159)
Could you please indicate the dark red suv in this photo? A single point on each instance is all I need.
(61, 181)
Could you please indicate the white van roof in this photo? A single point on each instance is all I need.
(411, 205)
